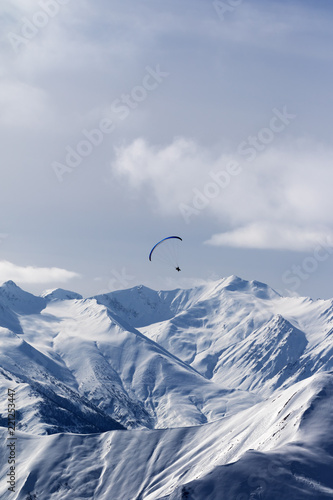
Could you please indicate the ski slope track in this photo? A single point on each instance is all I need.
(223, 391)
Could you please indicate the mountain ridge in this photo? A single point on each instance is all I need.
(189, 393)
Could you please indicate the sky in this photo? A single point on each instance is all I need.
(123, 123)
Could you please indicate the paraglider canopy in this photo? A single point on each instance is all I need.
(166, 250)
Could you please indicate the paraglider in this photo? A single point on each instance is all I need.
(166, 250)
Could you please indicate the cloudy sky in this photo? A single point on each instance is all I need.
(122, 123)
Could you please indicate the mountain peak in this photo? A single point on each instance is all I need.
(60, 294)
(18, 300)
(234, 283)
(9, 284)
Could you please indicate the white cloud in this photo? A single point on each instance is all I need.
(286, 182)
(169, 172)
(31, 274)
(264, 235)
(281, 199)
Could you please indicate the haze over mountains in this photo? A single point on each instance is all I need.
(220, 391)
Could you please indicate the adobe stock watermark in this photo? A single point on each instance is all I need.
(30, 28)
(301, 272)
(255, 144)
(121, 108)
(201, 198)
(11, 445)
(257, 484)
(249, 148)
(227, 7)
(119, 280)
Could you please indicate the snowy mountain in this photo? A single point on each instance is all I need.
(257, 340)
(220, 391)
(60, 294)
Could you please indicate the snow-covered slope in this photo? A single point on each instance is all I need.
(18, 300)
(280, 448)
(220, 391)
(15, 301)
(246, 335)
(79, 344)
(141, 306)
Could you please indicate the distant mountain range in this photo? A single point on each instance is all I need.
(224, 391)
